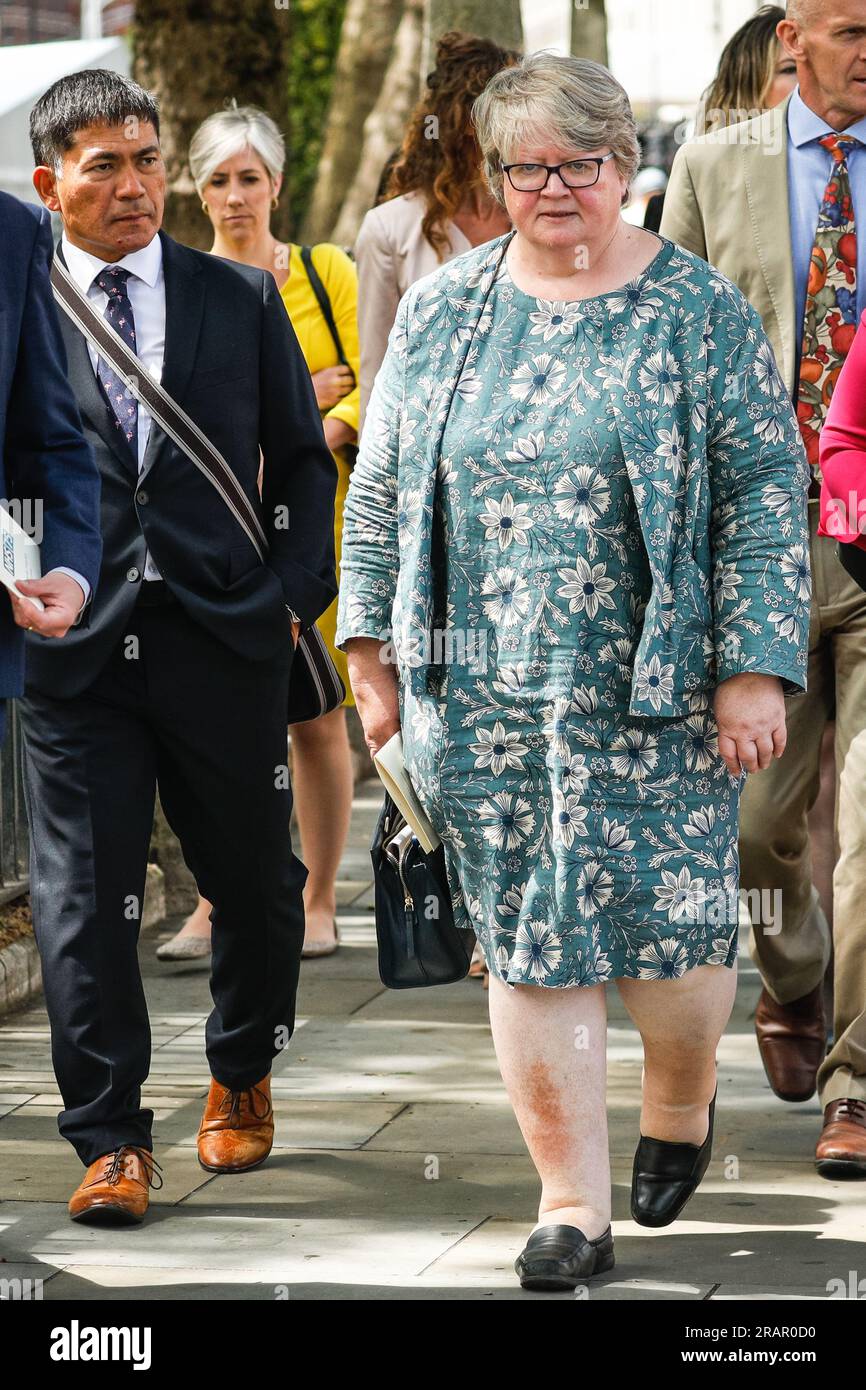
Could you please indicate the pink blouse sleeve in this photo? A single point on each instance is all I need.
(843, 451)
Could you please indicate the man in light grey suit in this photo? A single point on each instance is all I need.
(748, 199)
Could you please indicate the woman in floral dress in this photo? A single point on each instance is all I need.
(578, 527)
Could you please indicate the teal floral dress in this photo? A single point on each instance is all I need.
(583, 843)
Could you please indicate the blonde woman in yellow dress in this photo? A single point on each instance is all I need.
(236, 158)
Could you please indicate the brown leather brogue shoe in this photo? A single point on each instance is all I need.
(841, 1151)
(237, 1128)
(115, 1189)
(792, 1040)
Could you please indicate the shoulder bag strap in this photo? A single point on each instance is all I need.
(438, 550)
(324, 302)
(170, 417)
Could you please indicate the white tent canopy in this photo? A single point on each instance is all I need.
(26, 70)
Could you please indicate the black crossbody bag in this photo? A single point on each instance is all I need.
(315, 686)
(349, 451)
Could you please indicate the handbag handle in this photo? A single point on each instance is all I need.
(324, 302)
(438, 550)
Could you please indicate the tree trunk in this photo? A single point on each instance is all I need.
(498, 20)
(366, 41)
(195, 57)
(589, 30)
(384, 127)
(316, 29)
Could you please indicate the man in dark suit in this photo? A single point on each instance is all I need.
(45, 463)
(181, 677)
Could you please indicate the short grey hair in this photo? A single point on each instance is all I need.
(574, 100)
(226, 133)
(802, 12)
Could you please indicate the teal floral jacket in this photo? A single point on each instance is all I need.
(713, 452)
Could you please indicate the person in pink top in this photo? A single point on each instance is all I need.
(843, 452)
(843, 518)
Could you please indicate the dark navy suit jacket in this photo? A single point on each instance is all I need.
(45, 461)
(233, 362)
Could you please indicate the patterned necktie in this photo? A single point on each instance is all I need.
(119, 314)
(831, 299)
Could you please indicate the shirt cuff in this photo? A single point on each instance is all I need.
(79, 579)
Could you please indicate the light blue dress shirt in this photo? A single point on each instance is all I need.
(808, 173)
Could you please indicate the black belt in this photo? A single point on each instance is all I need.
(155, 593)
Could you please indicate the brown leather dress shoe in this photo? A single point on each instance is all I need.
(792, 1040)
(841, 1151)
(237, 1128)
(115, 1189)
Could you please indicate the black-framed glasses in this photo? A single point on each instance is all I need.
(575, 173)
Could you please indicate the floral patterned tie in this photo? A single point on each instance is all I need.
(831, 299)
(119, 314)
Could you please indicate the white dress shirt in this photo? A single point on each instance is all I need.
(146, 290)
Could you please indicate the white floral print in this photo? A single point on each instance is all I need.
(621, 492)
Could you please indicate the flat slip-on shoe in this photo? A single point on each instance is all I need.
(313, 950)
(185, 948)
(792, 1041)
(561, 1257)
(666, 1175)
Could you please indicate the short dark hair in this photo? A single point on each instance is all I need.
(96, 96)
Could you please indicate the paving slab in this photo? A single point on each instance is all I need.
(286, 1247)
(329, 996)
(764, 1293)
(298, 1124)
(107, 1283)
(342, 1184)
(486, 1254)
(353, 1058)
(11, 1101)
(47, 1170)
(25, 1282)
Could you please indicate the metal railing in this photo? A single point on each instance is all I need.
(14, 838)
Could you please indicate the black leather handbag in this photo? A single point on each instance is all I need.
(419, 942)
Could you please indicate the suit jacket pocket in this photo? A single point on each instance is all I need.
(242, 561)
(216, 377)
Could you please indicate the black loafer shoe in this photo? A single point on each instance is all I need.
(561, 1257)
(666, 1175)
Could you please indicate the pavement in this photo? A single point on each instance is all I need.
(398, 1170)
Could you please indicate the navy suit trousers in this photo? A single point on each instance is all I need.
(174, 708)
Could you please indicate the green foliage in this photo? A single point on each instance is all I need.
(315, 38)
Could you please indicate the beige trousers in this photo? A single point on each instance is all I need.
(792, 954)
